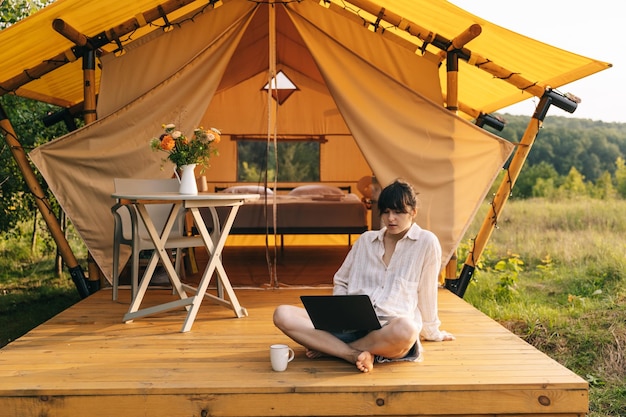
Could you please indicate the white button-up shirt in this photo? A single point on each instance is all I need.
(406, 287)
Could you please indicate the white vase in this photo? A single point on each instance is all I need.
(187, 180)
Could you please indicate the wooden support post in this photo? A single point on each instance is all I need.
(449, 271)
(459, 285)
(452, 65)
(452, 103)
(95, 276)
(89, 94)
(42, 204)
(87, 48)
(452, 76)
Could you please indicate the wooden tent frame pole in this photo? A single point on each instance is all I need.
(94, 274)
(89, 78)
(459, 285)
(452, 104)
(452, 65)
(95, 277)
(43, 205)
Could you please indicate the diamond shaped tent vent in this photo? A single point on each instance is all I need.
(282, 87)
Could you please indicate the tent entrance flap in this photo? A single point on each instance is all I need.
(371, 98)
(81, 165)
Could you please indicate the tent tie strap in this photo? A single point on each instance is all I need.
(28, 75)
(162, 13)
(380, 16)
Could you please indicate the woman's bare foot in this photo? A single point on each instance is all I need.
(365, 362)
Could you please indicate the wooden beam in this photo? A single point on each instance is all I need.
(147, 17)
(70, 33)
(443, 43)
(464, 38)
(30, 74)
(70, 55)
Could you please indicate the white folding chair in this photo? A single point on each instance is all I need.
(130, 230)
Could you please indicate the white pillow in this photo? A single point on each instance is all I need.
(248, 189)
(315, 189)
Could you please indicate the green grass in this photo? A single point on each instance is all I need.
(554, 273)
(24, 307)
(30, 290)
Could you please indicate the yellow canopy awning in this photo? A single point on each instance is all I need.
(33, 43)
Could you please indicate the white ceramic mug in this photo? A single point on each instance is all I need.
(280, 356)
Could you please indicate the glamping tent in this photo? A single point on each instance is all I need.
(379, 81)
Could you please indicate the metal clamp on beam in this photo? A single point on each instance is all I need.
(495, 122)
(567, 102)
(459, 285)
(78, 276)
(64, 115)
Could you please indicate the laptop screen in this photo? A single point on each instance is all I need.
(337, 313)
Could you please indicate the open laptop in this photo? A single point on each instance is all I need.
(336, 313)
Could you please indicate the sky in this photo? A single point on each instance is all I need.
(595, 29)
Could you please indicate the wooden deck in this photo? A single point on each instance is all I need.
(86, 362)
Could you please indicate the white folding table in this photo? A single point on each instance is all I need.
(214, 244)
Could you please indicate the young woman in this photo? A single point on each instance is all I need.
(398, 267)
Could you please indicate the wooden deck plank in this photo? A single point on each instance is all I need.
(85, 361)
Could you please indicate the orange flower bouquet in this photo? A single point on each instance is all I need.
(183, 150)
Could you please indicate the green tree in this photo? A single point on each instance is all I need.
(600, 155)
(16, 203)
(590, 146)
(530, 175)
(12, 11)
(26, 117)
(544, 187)
(620, 177)
(603, 188)
(297, 161)
(574, 184)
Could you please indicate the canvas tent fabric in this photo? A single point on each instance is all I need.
(398, 123)
(32, 41)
